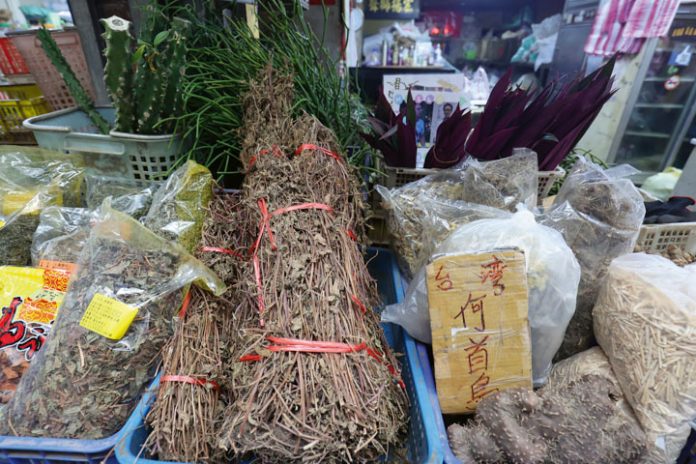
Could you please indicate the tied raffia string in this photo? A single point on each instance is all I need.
(187, 410)
(291, 405)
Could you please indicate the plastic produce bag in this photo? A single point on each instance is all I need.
(178, 207)
(60, 237)
(599, 214)
(27, 185)
(421, 214)
(552, 275)
(645, 321)
(105, 343)
(29, 299)
(128, 196)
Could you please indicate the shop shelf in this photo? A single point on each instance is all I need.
(424, 440)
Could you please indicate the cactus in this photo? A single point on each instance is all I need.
(149, 91)
(172, 103)
(76, 90)
(118, 72)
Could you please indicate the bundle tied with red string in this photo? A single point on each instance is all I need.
(315, 380)
(189, 402)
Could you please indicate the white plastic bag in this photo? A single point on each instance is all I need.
(553, 275)
(645, 321)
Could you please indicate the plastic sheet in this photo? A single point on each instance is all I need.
(88, 378)
(29, 183)
(178, 207)
(423, 213)
(599, 214)
(552, 275)
(645, 321)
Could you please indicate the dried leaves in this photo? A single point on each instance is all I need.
(298, 406)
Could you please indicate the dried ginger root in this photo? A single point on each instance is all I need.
(572, 423)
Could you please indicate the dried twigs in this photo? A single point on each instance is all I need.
(187, 411)
(307, 281)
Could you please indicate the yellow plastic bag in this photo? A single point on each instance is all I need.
(30, 298)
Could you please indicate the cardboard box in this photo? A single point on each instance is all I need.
(478, 317)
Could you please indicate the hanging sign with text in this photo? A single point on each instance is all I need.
(478, 318)
(392, 9)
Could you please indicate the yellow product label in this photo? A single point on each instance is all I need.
(2, 224)
(108, 317)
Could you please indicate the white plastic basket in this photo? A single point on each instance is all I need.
(396, 177)
(656, 238)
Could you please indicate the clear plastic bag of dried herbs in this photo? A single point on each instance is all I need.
(423, 213)
(599, 212)
(30, 182)
(128, 195)
(178, 207)
(89, 377)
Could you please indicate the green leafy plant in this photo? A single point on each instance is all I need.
(224, 57)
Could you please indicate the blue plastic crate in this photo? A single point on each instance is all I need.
(31, 450)
(424, 439)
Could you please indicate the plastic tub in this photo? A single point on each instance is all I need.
(138, 157)
(424, 439)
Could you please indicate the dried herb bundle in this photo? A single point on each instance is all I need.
(312, 286)
(185, 417)
(84, 385)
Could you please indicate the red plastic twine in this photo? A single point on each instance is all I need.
(311, 146)
(310, 346)
(224, 251)
(185, 305)
(275, 151)
(190, 380)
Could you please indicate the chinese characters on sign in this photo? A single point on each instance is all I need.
(480, 331)
(683, 30)
(392, 9)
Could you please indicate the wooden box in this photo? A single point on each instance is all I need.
(478, 318)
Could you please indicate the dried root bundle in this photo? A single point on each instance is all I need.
(187, 411)
(307, 281)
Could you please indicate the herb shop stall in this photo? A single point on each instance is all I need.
(160, 317)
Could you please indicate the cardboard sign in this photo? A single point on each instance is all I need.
(478, 318)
